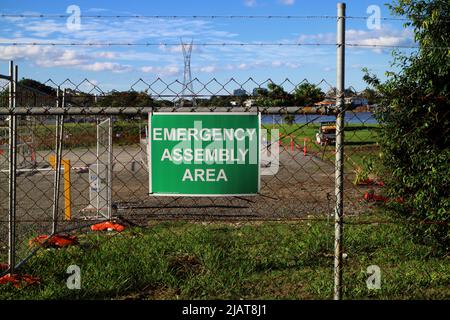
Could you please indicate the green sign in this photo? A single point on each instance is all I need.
(204, 154)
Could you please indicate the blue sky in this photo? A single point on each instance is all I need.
(119, 67)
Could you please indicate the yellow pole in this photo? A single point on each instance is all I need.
(52, 160)
(67, 201)
(67, 185)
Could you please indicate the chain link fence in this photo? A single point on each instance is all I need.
(100, 134)
(73, 155)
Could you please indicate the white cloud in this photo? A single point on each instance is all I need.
(161, 71)
(250, 3)
(168, 60)
(386, 36)
(45, 28)
(43, 56)
(15, 52)
(255, 64)
(107, 66)
(208, 69)
(48, 57)
(104, 31)
(279, 63)
(106, 54)
(276, 63)
(172, 49)
(243, 66)
(291, 65)
(287, 2)
(120, 30)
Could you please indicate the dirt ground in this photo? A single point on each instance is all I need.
(303, 185)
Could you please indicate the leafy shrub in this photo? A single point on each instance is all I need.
(414, 113)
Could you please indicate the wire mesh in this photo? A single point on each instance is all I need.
(105, 132)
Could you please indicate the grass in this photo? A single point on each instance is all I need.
(360, 140)
(291, 260)
(83, 135)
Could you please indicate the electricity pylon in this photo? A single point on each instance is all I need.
(188, 87)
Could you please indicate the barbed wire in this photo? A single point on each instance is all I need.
(139, 16)
(168, 44)
(215, 44)
(143, 16)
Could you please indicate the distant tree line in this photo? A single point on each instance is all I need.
(274, 95)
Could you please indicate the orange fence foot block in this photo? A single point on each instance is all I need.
(371, 182)
(57, 241)
(373, 197)
(17, 280)
(109, 226)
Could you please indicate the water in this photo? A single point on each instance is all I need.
(350, 117)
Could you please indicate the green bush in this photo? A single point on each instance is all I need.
(414, 114)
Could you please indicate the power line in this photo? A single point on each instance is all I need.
(213, 44)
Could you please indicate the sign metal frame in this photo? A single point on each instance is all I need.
(149, 155)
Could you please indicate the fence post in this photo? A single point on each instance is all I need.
(58, 151)
(110, 167)
(339, 164)
(13, 72)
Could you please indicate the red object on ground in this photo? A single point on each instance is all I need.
(366, 182)
(304, 147)
(17, 280)
(57, 241)
(373, 197)
(400, 200)
(108, 225)
(370, 196)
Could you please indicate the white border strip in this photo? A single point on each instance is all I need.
(259, 152)
(149, 153)
(236, 113)
(203, 195)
